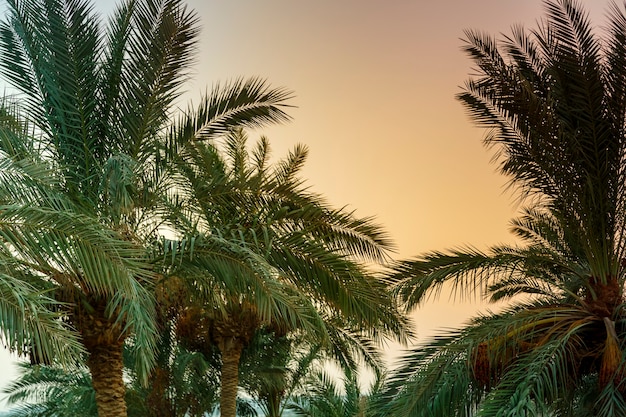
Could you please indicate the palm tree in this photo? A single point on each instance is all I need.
(554, 103)
(275, 369)
(298, 258)
(45, 391)
(327, 395)
(101, 100)
(182, 383)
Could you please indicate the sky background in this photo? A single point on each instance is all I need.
(375, 85)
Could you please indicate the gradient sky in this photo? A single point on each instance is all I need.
(374, 85)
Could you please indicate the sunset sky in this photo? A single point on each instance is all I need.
(374, 85)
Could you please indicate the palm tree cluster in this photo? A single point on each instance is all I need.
(140, 251)
(157, 263)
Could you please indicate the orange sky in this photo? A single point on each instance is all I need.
(375, 84)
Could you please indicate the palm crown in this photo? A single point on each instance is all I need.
(553, 101)
(270, 254)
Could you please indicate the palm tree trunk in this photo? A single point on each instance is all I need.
(604, 298)
(105, 364)
(103, 339)
(231, 353)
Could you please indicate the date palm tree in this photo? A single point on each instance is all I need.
(55, 392)
(303, 260)
(275, 370)
(101, 99)
(327, 395)
(553, 100)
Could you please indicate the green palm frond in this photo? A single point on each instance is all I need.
(470, 272)
(529, 387)
(352, 350)
(466, 371)
(197, 378)
(53, 62)
(158, 55)
(287, 170)
(248, 103)
(28, 323)
(328, 396)
(53, 240)
(43, 391)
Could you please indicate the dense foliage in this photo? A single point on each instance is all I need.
(154, 263)
(554, 101)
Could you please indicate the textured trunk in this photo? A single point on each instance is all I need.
(106, 365)
(103, 339)
(604, 298)
(231, 353)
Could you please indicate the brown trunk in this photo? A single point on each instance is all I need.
(103, 339)
(231, 353)
(604, 298)
(157, 401)
(106, 365)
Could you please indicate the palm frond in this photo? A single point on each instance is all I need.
(45, 391)
(159, 51)
(247, 103)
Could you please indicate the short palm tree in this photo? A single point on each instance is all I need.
(182, 383)
(275, 369)
(554, 101)
(43, 391)
(301, 259)
(328, 395)
(101, 101)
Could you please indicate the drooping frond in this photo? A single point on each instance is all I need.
(29, 324)
(43, 391)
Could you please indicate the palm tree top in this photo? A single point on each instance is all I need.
(553, 103)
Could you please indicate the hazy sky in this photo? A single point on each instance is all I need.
(374, 85)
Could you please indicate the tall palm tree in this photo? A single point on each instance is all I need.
(554, 102)
(101, 99)
(302, 258)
